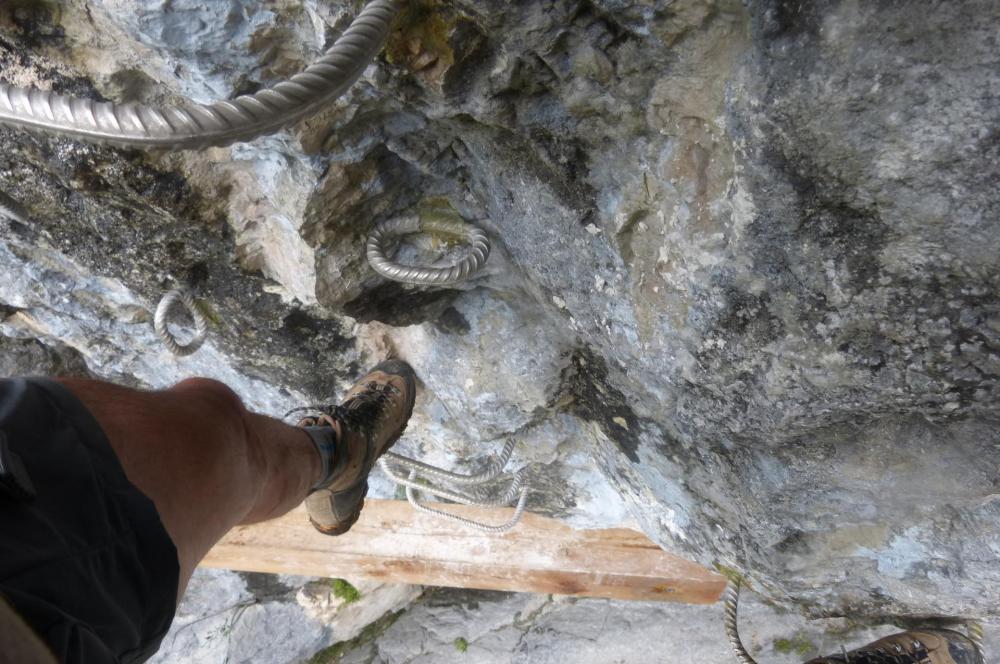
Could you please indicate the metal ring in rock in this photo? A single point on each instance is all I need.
(169, 300)
(479, 251)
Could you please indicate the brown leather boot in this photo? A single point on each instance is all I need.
(351, 437)
(926, 646)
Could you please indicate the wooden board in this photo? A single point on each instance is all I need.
(393, 543)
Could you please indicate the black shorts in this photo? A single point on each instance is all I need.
(86, 562)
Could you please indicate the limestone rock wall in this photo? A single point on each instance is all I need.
(456, 627)
(744, 284)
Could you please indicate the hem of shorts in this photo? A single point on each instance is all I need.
(82, 417)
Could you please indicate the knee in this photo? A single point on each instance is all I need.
(217, 417)
(214, 396)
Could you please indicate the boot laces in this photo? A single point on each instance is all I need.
(367, 409)
(362, 412)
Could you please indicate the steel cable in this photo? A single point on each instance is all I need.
(377, 251)
(475, 485)
(516, 487)
(732, 624)
(193, 125)
(485, 527)
(170, 300)
(494, 467)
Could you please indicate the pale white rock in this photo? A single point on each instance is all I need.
(346, 620)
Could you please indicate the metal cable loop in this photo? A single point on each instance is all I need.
(478, 498)
(169, 300)
(732, 624)
(475, 487)
(494, 467)
(478, 253)
(485, 527)
(202, 125)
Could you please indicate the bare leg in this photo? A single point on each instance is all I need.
(205, 461)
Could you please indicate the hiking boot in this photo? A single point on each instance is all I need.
(926, 646)
(351, 437)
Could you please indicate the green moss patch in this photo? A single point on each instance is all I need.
(733, 575)
(343, 590)
(420, 36)
(798, 644)
(334, 653)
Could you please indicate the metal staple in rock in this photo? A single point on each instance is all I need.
(169, 300)
(193, 125)
(479, 251)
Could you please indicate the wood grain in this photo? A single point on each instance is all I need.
(394, 543)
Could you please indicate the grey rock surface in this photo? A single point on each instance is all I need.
(253, 618)
(456, 627)
(745, 264)
(27, 357)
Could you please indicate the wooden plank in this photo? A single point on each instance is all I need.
(394, 543)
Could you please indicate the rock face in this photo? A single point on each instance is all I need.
(229, 617)
(745, 257)
(457, 627)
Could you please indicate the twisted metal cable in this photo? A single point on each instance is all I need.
(732, 624)
(169, 300)
(484, 527)
(975, 632)
(475, 485)
(494, 467)
(479, 498)
(193, 125)
(479, 251)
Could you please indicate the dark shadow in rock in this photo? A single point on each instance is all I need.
(470, 598)
(597, 400)
(453, 322)
(266, 587)
(400, 306)
(30, 357)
